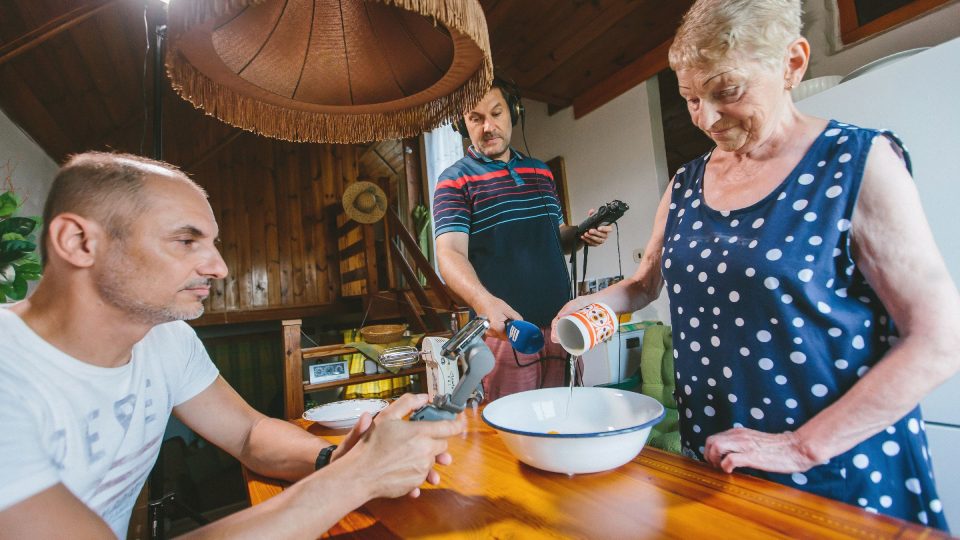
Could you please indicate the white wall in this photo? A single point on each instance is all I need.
(928, 30)
(33, 168)
(609, 154)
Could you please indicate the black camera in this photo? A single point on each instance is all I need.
(605, 215)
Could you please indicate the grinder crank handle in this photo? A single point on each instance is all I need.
(480, 361)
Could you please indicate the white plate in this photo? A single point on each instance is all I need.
(343, 414)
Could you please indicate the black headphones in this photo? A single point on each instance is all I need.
(512, 96)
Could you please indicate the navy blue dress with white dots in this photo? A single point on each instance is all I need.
(773, 322)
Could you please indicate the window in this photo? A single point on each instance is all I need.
(861, 19)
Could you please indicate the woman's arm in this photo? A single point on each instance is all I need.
(639, 289)
(894, 248)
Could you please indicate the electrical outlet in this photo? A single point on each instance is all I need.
(637, 255)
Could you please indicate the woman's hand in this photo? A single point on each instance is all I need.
(567, 309)
(743, 447)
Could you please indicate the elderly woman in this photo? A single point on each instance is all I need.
(811, 308)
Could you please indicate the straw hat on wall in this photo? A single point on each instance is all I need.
(364, 202)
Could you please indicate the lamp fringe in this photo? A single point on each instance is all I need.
(270, 120)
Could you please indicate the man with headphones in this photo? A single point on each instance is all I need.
(501, 239)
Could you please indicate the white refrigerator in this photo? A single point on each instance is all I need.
(916, 97)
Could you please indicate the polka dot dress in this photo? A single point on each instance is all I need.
(773, 322)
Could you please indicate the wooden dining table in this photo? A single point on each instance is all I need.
(487, 493)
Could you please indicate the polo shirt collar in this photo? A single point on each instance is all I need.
(475, 154)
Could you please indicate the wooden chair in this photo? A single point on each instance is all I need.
(294, 387)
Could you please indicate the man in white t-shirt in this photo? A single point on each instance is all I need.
(96, 360)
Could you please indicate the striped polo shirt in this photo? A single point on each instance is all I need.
(512, 213)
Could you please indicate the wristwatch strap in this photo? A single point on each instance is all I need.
(323, 458)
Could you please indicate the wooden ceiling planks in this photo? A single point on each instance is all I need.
(80, 73)
(559, 51)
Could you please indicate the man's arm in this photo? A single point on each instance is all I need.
(390, 459)
(269, 446)
(459, 275)
(52, 513)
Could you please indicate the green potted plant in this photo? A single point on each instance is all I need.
(19, 261)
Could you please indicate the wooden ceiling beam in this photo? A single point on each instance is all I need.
(549, 99)
(30, 111)
(35, 37)
(549, 60)
(622, 80)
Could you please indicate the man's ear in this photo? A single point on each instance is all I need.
(74, 239)
(798, 59)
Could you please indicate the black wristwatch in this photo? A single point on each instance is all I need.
(323, 458)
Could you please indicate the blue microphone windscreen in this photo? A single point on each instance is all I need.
(525, 337)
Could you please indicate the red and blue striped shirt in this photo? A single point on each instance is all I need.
(512, 214)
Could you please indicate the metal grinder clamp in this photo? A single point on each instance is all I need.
(467, 344)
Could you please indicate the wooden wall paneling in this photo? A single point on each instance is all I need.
(284, 232)
(271, 212)
(229, 175)
(216, 300)
(349, 165)
(245, 167)
(289, 174)
(321, 227)
(309, 221)
(332, 275)
(328, 174)
(338, 172)
(259, 181)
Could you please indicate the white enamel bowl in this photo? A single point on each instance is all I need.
(604, 429)
(343, 414)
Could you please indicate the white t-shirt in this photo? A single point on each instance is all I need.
(96, 430)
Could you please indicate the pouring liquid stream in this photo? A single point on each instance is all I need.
(573, 372)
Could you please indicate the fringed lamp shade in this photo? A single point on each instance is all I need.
(339, 71)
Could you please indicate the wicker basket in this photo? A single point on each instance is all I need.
(382, 333)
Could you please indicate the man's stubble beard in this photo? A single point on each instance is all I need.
(115, 285)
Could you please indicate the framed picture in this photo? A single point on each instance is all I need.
(329, 371)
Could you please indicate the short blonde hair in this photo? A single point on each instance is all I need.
(714, 30)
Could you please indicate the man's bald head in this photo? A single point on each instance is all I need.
(107, 188)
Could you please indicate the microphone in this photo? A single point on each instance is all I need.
(524, 337)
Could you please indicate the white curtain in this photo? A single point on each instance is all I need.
(443, 147)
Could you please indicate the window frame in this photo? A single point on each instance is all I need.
(851, 31)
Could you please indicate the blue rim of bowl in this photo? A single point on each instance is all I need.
(648, 423)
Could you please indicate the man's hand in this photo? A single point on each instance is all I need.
(597, 236)
(395, 455)
(497, 312)
(743, 447)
